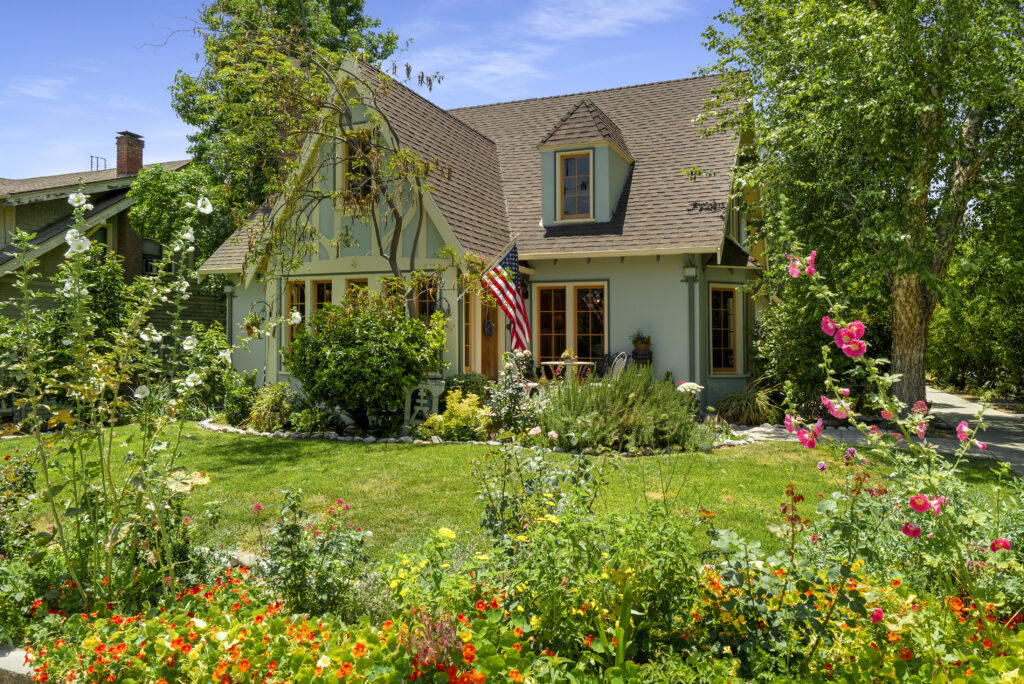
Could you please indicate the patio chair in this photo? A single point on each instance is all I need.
(617, 366)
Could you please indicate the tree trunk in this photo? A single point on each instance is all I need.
(912, 307)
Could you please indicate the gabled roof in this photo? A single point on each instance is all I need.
(585, 123)
(660, 208)
(17, 186)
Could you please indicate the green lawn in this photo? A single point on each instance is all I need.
(401, 490)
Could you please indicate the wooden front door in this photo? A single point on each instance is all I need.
(490, 329)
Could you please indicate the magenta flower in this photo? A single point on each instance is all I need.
(982, 445)
(850, 453)
(815, 538)
(961, 431)
(845, 391)
(844, 336)
(810, 263)
(922, 429)
(257, 508)
(887, 414)
(911, 530)
(1000, 544)
(919, 502)
(874, 430)
(817, 428)
(828, 326)
(838, 409)
(806, 438)
(920, 408)
(855, 348)
(937, 503)
(822, 466)
(789, 423)
(877, 615)
(794, 266)
(857, 328)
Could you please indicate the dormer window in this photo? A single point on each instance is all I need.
(576, 199)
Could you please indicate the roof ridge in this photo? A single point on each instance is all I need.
(584, 93)
(72, 173)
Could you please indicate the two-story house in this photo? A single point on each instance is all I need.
(613, 236)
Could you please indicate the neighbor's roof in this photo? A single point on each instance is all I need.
(17, 186)
(585, 123)
(660, 207)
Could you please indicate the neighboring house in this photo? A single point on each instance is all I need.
(40, 206)
(612, 235)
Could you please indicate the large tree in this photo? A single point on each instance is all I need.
(877, 125)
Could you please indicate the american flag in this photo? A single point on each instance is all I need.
(505, 284)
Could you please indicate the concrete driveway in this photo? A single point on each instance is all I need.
(1004, 431)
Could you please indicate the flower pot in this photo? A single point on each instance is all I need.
(248, 330)
(642, 347)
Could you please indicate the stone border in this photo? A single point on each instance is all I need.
(13, 669)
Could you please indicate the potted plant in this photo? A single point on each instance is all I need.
(641, 340)
(251, 322)
(568, 355)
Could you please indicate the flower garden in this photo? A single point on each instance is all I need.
(532, 560)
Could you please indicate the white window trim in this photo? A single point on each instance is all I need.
(570, 311)
(738, 341)
(558, 185)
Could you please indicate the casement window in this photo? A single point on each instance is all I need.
(322, 293)
(467, 333)
(571, 316)
(152, 253)
(296, 302)
(725, 329)
(575, 196)
(354, 283)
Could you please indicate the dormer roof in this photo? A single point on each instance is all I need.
(585, 123)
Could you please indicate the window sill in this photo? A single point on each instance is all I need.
(726, 374)
(569, 222)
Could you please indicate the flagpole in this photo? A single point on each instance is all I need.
(503, 252)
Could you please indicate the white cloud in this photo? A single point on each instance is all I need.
(504, 73)
(41, 88)
(568, 19)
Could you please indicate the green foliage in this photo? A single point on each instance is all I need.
(464, 419)
(364, 356)
(751, 405)
(209, 360)
(466, 382)
(633, 413)
(239, 396)
(508, 398)
(159, 210)
(272, 407)
(311, 419)
(17, 484)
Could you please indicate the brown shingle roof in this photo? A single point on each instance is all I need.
(585, 123)
(232, 253)
(17, 186)
(660, 207)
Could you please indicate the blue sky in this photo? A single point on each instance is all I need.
(72, 78)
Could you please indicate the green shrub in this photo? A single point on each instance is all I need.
(208, 361)
(467, 383)
(508, 398)
(312, 419)
(464, 419)
(239, 395)
(272, 407)
(631, 413)
(751, 405)
(364, 356)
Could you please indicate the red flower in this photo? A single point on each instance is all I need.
(481, 606)
(514, 675)
(906, 653)
(243, 665)
(359, 650)
(986, 643)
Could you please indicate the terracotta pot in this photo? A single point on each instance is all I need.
(642, 346)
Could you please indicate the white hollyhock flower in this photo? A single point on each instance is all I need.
(71, 236)
(204, 206)
(77, 246)
(190, 343)
(188, 235)
(142, 391)
(225, 355)
(296, 318)
(193, 379)
(324, 661)
(86, 207)
(76, 199)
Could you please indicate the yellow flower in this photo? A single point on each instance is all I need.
(522, 538)
(534, 621)
(466, 636)
(857, 565)
(447, 533)
(552, 519)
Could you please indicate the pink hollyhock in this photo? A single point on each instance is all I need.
(961, 431)
(817, 429)
(553, 435)
(828, 326)
(982, 445)
(874, 430)
(922, 430)
(844, 336)
(911, 530)
(806, 438)
(789, 423)
(877, 615)
(937, 503)
(920, 408)
(1000, 544)
(919, 502)
(826, 402)
(822, 465)
(845, 391)
(535, 430)
(887, 414)
(815, 538)
(857, 328)
(257, 508)
(794, 266)
(855, 348)
(810, 263)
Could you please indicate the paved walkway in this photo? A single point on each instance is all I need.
(1004, 432)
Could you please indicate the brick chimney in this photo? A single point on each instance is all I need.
(129, 153)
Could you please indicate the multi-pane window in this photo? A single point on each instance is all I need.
(322, 290)
(426, 299)
(551, 324)
(575, 173)
(152, 253)
(723, 329)
(590, 344)
(358, 171)
(467, 333)
(296, 302)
